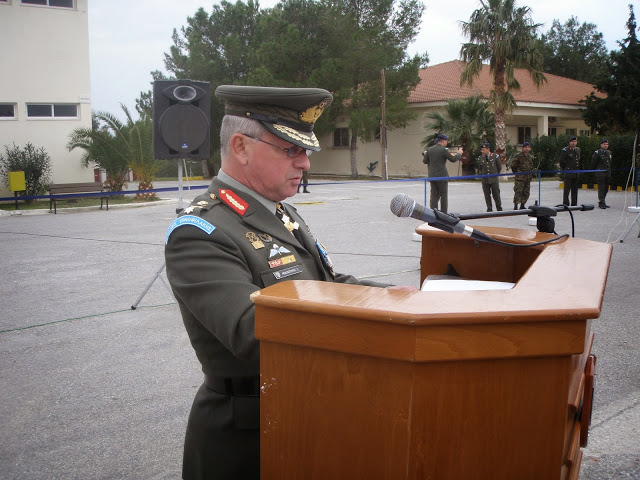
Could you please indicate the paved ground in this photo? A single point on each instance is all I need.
(92, 389)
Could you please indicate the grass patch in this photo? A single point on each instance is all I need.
(74, 202)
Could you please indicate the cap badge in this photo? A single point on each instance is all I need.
(311, 114)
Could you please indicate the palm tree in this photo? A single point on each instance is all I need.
(504, 35)
(467, 122)
(101, 148)
(117, 146)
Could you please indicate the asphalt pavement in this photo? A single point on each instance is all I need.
(91, 389)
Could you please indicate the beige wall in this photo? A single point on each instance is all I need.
(404, 153)
(46, 60)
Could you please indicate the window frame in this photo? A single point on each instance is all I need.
(15, 111)
(524, 134)
(53, 115)
(341, 137)
(47, 4)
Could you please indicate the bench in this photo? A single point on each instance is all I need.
(89, 189)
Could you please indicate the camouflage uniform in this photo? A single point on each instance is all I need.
(522, 162)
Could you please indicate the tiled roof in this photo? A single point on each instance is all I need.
(442, 82)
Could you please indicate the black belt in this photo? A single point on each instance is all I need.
(234, 386)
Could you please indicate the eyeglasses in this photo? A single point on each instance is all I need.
(292, 152)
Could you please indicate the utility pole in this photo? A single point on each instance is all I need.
(383, 130)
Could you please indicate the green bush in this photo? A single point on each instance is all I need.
(34, 162)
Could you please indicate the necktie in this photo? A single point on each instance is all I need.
(289, 225)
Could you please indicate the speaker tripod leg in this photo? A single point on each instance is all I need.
(146, 289)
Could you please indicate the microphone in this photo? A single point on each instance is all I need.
(403, 205)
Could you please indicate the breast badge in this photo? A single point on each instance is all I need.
(255, 241)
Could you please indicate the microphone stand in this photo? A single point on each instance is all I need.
(545, 223)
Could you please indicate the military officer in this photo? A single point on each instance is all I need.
(522, 162)
(489, 164)
(570, 160)
(601, 160)
(233, 240)
(436, 157)
(304, 182)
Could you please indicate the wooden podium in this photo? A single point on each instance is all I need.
(367, 383)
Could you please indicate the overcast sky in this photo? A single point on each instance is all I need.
(128, 38)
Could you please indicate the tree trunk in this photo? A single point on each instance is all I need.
(352, 155)
(501, 135)
(499, 87)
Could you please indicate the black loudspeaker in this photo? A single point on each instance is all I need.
(181, 127)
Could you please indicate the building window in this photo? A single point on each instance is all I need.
(553, 132)
(50, 3)
(44, 110)
(524, 135)
(570, 131)
(341, 137)
(7, 110)
(585, 133)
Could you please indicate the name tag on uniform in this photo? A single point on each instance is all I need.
(287, 272)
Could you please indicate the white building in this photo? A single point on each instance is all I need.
(45, 85)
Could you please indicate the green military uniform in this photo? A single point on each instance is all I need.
(601, 160)
(570, 160)
(436, 157)
(304, 182)
(522, 162)
(490, 164)
(226, 245)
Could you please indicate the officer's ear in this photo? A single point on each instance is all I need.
(240, 147)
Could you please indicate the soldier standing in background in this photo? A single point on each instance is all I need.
(489, 164)
(522, 162)
(304, 182)
(436, 157)
(570, 160)
(601, 160)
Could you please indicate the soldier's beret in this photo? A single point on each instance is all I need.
(486, 145)
(604, 140)
(288, 113)
(442, 136)
(526, 144)
(571, 139)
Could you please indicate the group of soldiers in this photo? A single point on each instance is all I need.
(489, 166)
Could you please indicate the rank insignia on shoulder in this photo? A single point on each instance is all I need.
(202, 203)
(189, 220)
(189, 209)
(237, 204)
(255, 241)
(213, 196)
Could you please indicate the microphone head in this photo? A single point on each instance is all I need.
(402, 205)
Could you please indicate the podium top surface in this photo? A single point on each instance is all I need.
(566, 281)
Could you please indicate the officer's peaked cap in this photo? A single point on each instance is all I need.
(288, 113)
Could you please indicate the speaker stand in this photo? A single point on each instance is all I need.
(157, 274)
(179, 209)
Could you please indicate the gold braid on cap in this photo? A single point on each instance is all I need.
(296, 135)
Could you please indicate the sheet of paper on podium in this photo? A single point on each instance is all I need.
(448, 283)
